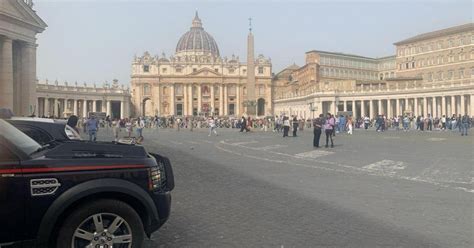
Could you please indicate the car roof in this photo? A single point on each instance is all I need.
(37, 119)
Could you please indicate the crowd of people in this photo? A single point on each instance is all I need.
(328, 124)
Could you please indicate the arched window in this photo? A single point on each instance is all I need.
(146, 90)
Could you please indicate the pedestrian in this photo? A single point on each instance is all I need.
(366, 122)
(92, 126)
(128, 127)
(349, 125)
(295, 125)
(140, 126)
(243, 125)
(465, 121)
(286, 126)
(116, 129)
(329, 128)
(212, 126)
(317, 126)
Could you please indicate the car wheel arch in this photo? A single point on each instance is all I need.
(109, 188)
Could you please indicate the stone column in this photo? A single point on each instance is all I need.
(405, 106)
(380, 107)
(212, 99)
(371, 110)
(6, 74)
(156, 97)
(46, 107)
(74, 110)
(425, 106)
(345, 106)
(199, 94)
(94, 106)
(471, 103)
(221, 100)
(28, 78)
(397, 107)
(225, 100)
(55, 108)
(354, 109)
(462, 110)
(453, 105)
(362, 108)
(84, 108)
(108, 107)
(238, 103)
(122, 110)
(443, 106)
(415, 106)
(185, 100)
(389, 108)
(172, 96)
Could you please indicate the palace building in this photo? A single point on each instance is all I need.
(198, 81)
(431, 73)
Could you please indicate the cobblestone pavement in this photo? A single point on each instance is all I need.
(391, 189)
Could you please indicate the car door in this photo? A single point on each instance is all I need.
(12, 195)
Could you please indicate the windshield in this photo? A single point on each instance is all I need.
(18, 138)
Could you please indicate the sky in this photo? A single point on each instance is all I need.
(94, 41)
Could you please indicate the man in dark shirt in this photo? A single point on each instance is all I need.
(317, 124)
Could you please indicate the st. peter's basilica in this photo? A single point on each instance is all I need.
(196, 80)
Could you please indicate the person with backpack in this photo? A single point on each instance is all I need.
(329, 128)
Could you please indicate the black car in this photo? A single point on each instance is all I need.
(45, 131)
(79, 194)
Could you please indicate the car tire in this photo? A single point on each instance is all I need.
(106, 208)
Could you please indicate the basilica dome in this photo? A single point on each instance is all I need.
(197, 41)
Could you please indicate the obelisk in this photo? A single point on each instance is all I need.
(250, 101)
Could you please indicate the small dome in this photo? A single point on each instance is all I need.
(196, 40)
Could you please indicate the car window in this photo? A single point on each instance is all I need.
(19, 139)
(6, 155)
(35, 133)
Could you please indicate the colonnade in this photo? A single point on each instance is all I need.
(62, 107)
(437, 105)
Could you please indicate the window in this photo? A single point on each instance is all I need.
(440, 45)
(406, 66)
(244, 71)
(413, 64)
(260, 70)
(461, 73)
(6, 155)
(163, 70)
(430, 77)
(451, 43)
(179, 70)
(461, 57)
(146, 68)
(440, 75)
(146, 90)
(179, 109)
(35, 133)
(216, 70)
(194, 70)
(231, 70)
(461, 41)
(450, 74)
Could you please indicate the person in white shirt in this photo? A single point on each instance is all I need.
(212, 126)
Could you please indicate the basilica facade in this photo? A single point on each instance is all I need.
(198, 81)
